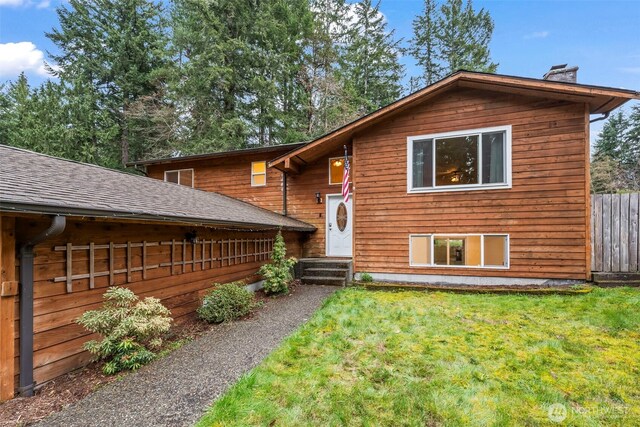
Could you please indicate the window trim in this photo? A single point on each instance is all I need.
(482, 236)
(193, 175)
(463, 187)
(253, 184)
(329, 165)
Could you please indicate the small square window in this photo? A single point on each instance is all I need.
(258, 174)
(336, 170)
(181, 177)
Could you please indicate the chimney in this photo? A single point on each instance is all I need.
(560, 73)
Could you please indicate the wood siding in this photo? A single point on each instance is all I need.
(232, 176)
(545, 211)
(301, 199)
(58, 339)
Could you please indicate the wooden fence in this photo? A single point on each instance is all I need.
(615, 232)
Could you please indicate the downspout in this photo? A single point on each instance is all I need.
(58, 224)
(284, 193)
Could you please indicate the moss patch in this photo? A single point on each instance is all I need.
(415, 359)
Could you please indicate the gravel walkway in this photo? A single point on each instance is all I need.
(176, 390)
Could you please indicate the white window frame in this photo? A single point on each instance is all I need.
(481, 266)
(331, 159)
(462, 187)
(193, 175)
(253, 184)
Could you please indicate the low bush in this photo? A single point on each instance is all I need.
(226, 302)
(131, 329)
(277, 274)
(366, 278)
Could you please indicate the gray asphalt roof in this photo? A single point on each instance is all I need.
(32, 182)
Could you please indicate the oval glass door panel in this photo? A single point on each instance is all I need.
(341, 216)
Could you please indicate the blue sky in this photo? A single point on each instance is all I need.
(601, 37)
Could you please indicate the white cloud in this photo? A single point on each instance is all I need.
(39, 4)
(630, 70)
(537, 35)
(22, 56)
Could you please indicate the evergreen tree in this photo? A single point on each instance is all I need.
(452, 38)
(616, 160)
(113, 49)
(612, 138)
(424, 45)
(237, 78)
(329, 103)
(370, 65)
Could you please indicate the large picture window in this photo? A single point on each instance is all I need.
(474, 159)
(459, 250)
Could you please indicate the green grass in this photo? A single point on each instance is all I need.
(416, 358)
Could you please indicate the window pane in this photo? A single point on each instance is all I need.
(457, 160)
(336, 170)
(493, 158)
(186, 177)
(423, 163)
(259, 179)
(473, 246)
(420, 250)
(258, 167)
(495, 251)
(440, 251)
(171, 177)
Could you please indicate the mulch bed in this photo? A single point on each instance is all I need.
(74, 386)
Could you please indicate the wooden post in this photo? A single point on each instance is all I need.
(8, 294)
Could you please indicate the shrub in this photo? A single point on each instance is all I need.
(366, 278)
(131, 329)
(226, 302)
(277, 274)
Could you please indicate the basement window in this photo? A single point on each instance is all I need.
(180, 177)
(459, 250)
(465, 160)
(258, 174)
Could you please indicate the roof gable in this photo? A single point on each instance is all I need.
(600, 100)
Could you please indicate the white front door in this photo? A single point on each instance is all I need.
(339, 226)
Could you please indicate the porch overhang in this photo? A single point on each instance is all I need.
(599, 99)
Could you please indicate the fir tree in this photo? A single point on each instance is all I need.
(115, 47)
(370, 63)
(451, 38)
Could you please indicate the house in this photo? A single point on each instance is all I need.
(476, 179)
(71, 230)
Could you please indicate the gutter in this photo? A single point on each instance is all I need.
(42, 209)
(26, 385)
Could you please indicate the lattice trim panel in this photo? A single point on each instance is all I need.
(207, 254)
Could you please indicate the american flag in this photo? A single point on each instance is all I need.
(345, 179)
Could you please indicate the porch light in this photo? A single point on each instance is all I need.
(318, 198)
(338, 162)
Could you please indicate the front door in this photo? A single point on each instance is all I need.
(339, 226)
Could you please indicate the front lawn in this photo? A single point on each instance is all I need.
(415, 358)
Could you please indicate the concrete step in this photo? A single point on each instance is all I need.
(320, 280)
(325, 272)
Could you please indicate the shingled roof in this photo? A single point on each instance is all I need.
(37, 183)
